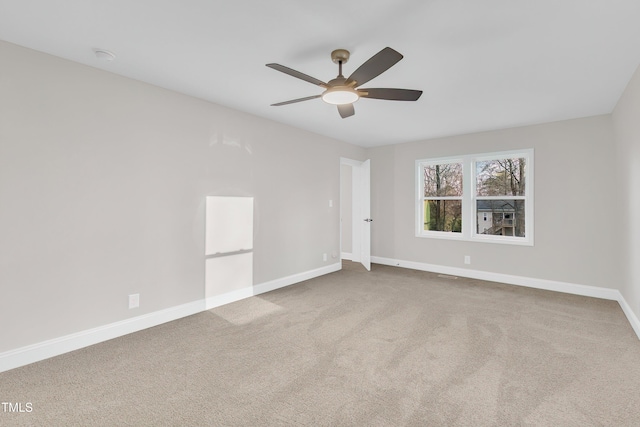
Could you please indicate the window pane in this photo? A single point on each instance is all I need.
(443, 180)
(500, 217)
(443, 215)
(501, 177)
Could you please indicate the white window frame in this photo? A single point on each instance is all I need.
(469, 200)
(421, 232)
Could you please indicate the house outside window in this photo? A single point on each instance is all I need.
(485, 197)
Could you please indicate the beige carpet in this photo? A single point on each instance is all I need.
(392, 347)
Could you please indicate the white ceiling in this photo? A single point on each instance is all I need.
(482, 64)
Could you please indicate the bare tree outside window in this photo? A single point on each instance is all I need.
(443, 197)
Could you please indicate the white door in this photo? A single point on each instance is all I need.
(360, 211)
(365, 216)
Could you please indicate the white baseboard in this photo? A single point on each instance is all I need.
(346, 255)
(228, 298)
(550, 285)
(33, 353)
(530, 282)
(57, 346)
(631, 316)
(271, 285)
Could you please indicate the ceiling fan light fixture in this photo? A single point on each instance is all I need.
(340, 95)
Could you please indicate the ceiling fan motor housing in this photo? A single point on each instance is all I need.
(340, 56)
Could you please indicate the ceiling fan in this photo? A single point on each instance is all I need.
(343, 92)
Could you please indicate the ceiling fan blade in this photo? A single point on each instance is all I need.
(293, 101)
(391, 94)
(376, 65)
(346, 110)
(297, 74)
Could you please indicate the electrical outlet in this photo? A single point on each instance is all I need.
(467, 259)
(134, 300)
(324, 257)
(330, 203)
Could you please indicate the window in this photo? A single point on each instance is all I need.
(486, 197)
(442, 197)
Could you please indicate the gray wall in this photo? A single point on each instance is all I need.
(575, 205)
(102, 187)
(626, 124)
(103, 180)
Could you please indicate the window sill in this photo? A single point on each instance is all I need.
(476, 238)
